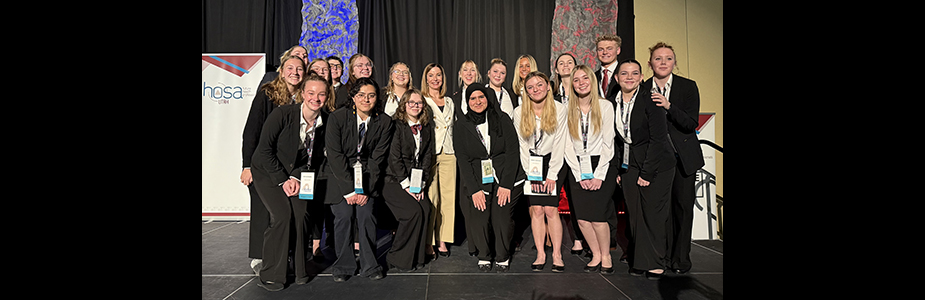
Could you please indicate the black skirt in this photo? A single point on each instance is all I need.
(548, 200)
(593, 206)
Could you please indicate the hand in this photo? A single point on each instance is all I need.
(642, 182)
(618, 180)
(478, 199)
(351, 200)
(596, 184)
(550, 185)
(417, 196)
(504, 196)
(361, 199)
(660, 100)
(246, 177)
(291, 187)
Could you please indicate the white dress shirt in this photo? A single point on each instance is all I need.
(549, 142)
(600, 144)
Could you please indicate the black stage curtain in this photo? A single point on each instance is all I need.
(251, 26)
(451, 32)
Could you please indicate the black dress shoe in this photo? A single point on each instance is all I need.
(558, 269)
(607, 271)
(679, 271)
(271, 285)
(577, 252)
(444, 253)
(503, 268)
(538, 268)
(376, 276)
(485, 267)
(340, 278)
(653, 276)
(303, 280)
(589, 269)
(633, 272)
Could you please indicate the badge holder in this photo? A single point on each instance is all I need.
(307, 191)
(417, 176)
(488, 173)
(358, 178)
(584, 164)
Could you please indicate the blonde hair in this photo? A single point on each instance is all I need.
(478, 75)
(389, 88)
(574, 125)
(548, 119)
(277, 91)
(517, 84)
(283, 58)
(425, 89)
(608, 37)
(350, 78)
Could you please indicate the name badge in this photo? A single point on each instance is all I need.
(416, 179)
(488, 173)
(358, 178)
(584, 165)
(626, 156)
(307, 191)
(535, 169)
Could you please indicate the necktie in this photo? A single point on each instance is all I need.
(360, 140)
(604, 82)
(415, 128)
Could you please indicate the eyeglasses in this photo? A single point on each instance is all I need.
(401, 72)
(415, 104)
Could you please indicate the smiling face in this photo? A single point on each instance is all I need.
(468, 73)
(523, 67)
(365, 99)
(478, 102)
(314, 94)
(401, 75)
(537, 88)
(581, 83)
(629, 76)
(362, 67)
(293, 71)
(415, 105)
(497, 74)
(337, 69)
(564, 65)
(607, 52)
(321, 67)
(662, 62)
(435, 79)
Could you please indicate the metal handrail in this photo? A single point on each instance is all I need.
(708, 179)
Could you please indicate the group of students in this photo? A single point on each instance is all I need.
(350, 148)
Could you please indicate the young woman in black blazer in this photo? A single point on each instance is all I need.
(412, 149)
(484, 134)
(270, 96)
(647, 171)
(292, 142)
(680, 98)
(359, 137)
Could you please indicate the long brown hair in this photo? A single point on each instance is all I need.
(277, 90)
(401, 113)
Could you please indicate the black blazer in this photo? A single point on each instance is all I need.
(612, 86)
(650, 151)
(401, 153)
(261, 108)
(278, 156)
(341, 142)
(505, 153)
(683, 119)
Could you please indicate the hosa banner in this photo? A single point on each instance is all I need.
(229, 84)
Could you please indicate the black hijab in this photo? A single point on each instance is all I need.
(489, 112)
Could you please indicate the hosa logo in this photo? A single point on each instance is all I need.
(222, 93)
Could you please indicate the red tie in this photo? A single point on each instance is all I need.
(415, 128)
(604, 82)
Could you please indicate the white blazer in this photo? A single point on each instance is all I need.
(444, 124)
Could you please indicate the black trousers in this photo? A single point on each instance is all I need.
(344, 214)
(287, 223)
(409, 243)
(260, 219)
(493, 228)
(683, 196)
(649, 210)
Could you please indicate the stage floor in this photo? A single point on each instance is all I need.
(226, 274)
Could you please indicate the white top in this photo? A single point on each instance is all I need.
(598, 144)
(443, 121)
(548, 142)
(391, 103)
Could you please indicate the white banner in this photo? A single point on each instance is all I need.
(229, 84)
(705, 204)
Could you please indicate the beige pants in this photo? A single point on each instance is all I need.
(442, 193)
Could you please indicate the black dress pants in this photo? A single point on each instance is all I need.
(344, 214)
(409, 241)
(493, 228)
(683, 195)
(649, 210)
(287, 218)
(260, 219)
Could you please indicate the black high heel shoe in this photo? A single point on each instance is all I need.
(607, 271)
(589, 269)
(558, 269)
(577, 252)
(538, 268)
